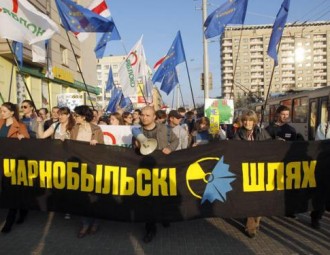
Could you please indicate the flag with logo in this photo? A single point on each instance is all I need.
(130, 70)
(277, 31)
(110, 82)
(77, 18)
(231, 12)
(145, 84)
(18, 51)
(22, 22)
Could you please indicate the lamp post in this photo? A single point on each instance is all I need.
(205, 55)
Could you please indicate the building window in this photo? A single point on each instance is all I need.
(64, 56)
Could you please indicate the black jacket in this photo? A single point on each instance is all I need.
(259, 134)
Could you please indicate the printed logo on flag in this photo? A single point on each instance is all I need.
(217, 179)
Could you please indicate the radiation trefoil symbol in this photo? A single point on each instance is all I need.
(218, 181)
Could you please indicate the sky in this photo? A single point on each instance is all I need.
(159, 21)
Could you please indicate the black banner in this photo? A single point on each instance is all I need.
(221, 179)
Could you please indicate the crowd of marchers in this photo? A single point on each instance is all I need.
(173, 130)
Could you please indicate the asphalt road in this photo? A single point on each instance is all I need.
(50, 233)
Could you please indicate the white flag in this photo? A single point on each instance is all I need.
(129, 71)
(22, 22)
(39, 52)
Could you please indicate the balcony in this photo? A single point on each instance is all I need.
(320, 45)
(319, 66)
(228, 70)
(27, 53)
(254, 49)
(227, 57)
(320, 60)
(227, 43)
(256, 42)
(318, 38)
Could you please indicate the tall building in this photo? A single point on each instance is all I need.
(64, 50)
(304, 59)
(103, 68)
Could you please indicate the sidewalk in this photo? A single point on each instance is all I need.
(44, 233)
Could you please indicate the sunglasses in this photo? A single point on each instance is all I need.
(24, 106)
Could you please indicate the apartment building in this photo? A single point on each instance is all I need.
(103, 68)
(64, 52)
(303, 59)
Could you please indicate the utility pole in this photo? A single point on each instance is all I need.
(205, 55)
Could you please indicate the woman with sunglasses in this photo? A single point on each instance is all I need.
(29, 117)
(86, 131)
(58, 130)
(10, 127)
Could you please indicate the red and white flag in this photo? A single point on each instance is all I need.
(22, 22)
(159, 62)
(99, 7)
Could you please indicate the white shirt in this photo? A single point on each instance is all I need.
(321, 133)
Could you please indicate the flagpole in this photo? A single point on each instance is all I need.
(269, 87)
(205, 55)
(182, 95)
(233, 88)
(20, 72)
(82, 76)
(191, 90)
(1, 98)
(177, 96)
(11, 82)
(103, 96)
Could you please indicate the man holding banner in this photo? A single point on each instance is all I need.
(167, 142)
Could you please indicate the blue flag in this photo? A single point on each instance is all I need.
(231, 12)
(114, 100)
(126, 104)
(277, 31)
(170, 81)
(174, 56)
(18, 51)
(102, 42)
(110, 82)
(76, 18)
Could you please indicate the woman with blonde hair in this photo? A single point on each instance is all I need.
(250, 131)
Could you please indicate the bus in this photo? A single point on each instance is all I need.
(307, 109)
